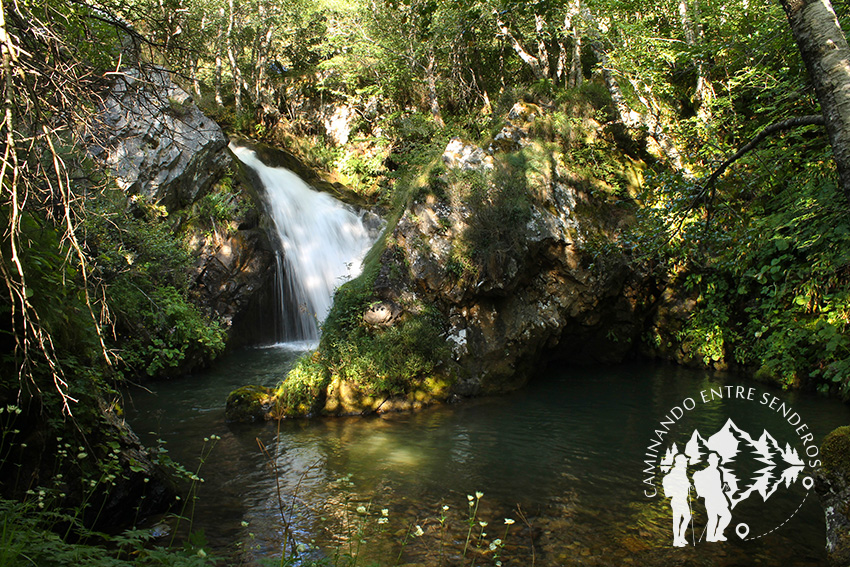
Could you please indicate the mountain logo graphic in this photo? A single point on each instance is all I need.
(719, 472)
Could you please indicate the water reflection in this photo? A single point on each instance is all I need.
(566, 454)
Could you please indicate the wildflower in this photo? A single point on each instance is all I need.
(469, 497)
(385, 512)
(418, 532)
(301, 548)
(361, 510)
(483, 524)
(383, 520)
(509, 522)
(445, 508)
(497, 542)
(493, 546)
(202, 553)
(244, 524)
(479, 495)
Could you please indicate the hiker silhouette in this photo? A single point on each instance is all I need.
(711, 487)
(676, 487)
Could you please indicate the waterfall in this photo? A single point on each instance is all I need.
(323, 243)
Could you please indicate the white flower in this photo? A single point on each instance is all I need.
(479, 495)
(483, 524)
(385, 512)
(445, 508)
(470, 497)
(382, 520)
(493, 546)
(508, 522)
(418, 531)
(361, 510)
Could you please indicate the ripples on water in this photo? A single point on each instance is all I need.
(566, 452)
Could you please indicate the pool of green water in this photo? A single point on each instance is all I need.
(563, 459)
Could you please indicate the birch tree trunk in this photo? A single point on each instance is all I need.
(530, 59)
(431, 83)
(630, 118)
(219, 47)
(542, 51)
(704, 92)
(826, 54)
(234, 64)
(576, 77)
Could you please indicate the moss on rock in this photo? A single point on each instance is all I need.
(250, 403)
(835, 452)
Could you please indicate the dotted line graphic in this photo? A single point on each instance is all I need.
(783, 523)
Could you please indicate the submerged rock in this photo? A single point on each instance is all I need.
(250, 403)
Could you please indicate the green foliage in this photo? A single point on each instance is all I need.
(302, 392)
(144, 268)
(390, 360)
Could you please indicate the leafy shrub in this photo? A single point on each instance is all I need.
(144, 269)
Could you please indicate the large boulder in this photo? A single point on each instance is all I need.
(513, 265)
(163, 151)
(156, 142)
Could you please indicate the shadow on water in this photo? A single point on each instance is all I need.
(566, 452)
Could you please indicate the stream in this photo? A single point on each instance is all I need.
(562, 458)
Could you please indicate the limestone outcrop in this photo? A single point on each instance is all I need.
(156, 142)
(161, 149)
(515, 269)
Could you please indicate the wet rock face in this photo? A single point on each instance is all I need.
(235, 278)
(832, 484)
(156, 142)
(514, 289)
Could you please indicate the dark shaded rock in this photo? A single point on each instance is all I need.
(832, 484)
(142, 489)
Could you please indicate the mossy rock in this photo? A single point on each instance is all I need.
(249, 403)
(835, 452)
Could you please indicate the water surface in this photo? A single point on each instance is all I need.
(563, 458)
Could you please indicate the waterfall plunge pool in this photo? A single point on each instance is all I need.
(566, 452)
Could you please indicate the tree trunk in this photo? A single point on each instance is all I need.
(219, 47)
(630, 118)
(431, 82)
(542, 51)
(575, 77)
(827, 57)
(530, 59)
(704, 93)
(234, 64)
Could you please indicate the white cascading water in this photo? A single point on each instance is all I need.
(323, 240)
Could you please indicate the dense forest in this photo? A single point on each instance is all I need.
(719, 130)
